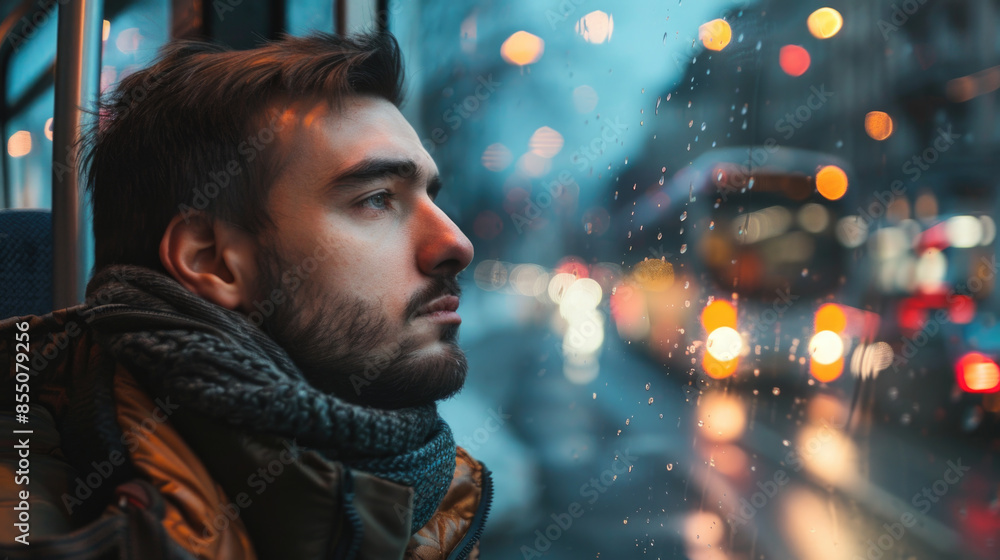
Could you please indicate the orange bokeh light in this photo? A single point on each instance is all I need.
(878, 125)
(716, 34)
(719, 313)
(826, 373)
(522, 48)
(831, 182)
(830, 317)
(794, 60)
(717, 369)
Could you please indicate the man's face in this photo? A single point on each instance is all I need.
(358, 251)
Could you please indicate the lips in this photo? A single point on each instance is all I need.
(443, 303)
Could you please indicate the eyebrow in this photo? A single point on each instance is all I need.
(374, 169)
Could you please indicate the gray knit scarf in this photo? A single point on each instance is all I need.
(216, 362)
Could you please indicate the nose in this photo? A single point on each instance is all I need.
(443, 250)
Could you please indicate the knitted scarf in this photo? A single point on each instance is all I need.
(216, 362)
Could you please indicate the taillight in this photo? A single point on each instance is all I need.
(724, 343)
(826, 348)
(977, 374)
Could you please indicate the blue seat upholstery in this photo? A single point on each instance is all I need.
(25, 262)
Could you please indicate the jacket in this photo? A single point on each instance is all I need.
(180, 489)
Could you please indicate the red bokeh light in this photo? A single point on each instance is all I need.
(794, 60)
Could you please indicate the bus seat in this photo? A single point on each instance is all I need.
(25, 262)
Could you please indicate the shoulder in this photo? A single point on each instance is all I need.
(456, 527)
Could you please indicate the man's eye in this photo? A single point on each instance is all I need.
(378, 201)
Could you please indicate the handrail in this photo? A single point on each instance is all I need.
(77, 86)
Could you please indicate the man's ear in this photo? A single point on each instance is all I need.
(211, 258)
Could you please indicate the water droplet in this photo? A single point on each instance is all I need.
(659, 236)
(670, 466)
(701, 423)
(684, 248)
(662, 177)
(690, 123)
(658, 99)
(703, 125)
(711, 225)
(805, 272)
(650, 400)
(687, 284)
(776, 391)
(684, 215)
(786, 443)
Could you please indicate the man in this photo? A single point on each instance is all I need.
(270, 323)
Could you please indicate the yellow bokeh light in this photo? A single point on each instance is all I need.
(522, 48)
(545, 142)
(825, 23)
(716, 34)
(878, 125)
(19, 144)
(831, 182)
(596, 27)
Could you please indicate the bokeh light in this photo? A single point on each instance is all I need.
(719, 313)
(715, 34)
(878, 125)
(826, 347)
(825, 23)
(830, 317)
(977, 373)
(831, 182)
(19, 144)
(496, 157)
(794, 60)
(654, 275)
(722, 417)
(545, 142)
(522, 48)
(596, 27)
(724, 344)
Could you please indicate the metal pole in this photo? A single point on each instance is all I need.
(77, 83)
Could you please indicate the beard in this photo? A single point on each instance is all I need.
(347, 347)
